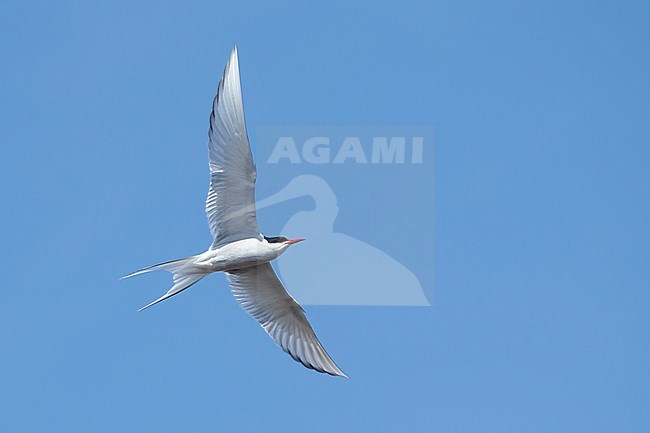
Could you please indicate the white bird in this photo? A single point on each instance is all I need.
(238, 248)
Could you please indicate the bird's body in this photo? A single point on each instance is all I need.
(238, 247)
(238, 255)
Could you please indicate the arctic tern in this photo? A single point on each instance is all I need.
(238, 247)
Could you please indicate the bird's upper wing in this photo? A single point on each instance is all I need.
(261, 294)
(230, 206)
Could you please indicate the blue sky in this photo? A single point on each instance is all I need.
(533, 250)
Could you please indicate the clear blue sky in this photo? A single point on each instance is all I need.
(539, 319)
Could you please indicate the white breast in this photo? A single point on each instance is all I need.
(237, 255)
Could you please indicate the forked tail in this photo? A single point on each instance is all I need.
(172, 266)
(184, 276)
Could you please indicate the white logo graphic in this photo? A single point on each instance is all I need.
(334, 268)
(353, 149)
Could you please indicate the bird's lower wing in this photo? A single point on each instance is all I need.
(261, 294)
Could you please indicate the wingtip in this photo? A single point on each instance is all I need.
(334, 373)
(233, 62)
(338, 372)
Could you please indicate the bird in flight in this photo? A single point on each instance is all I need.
(238, 248)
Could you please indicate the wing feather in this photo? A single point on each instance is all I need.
(262, 295)
(230, 206)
